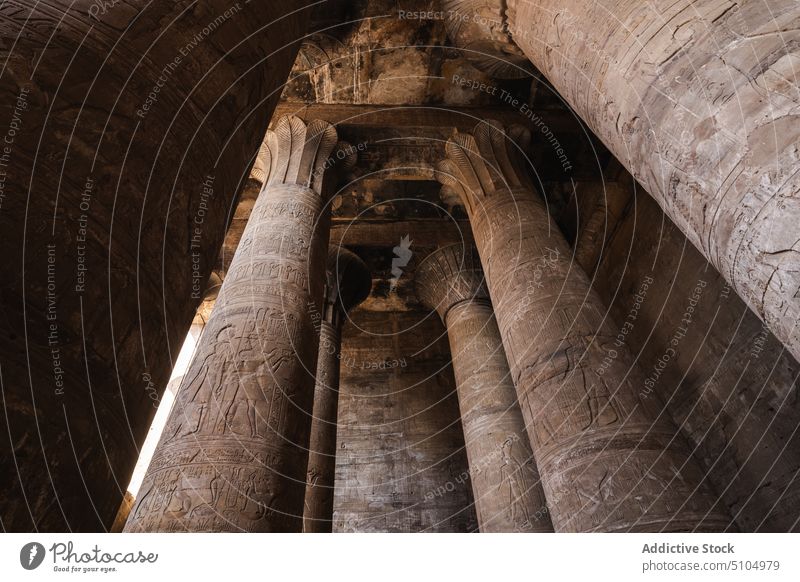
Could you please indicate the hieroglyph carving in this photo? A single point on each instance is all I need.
(233, 455)
(505, 482)
(596, 438)
(699, 99)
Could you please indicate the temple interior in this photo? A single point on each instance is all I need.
(419, 266)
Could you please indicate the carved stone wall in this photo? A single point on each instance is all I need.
(125, 143)
(699, 100)
(400, 464)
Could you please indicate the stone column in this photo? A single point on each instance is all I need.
(609, 457)
(479, 28)
(505, 482)
(233, 455)
(125, 143)
(348, 284)
(699, 99)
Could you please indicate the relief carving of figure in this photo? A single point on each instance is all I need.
(516, 479)
(201, 390)
(247, 409)
(594, 500)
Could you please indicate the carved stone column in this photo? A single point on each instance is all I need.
(609, 457)
(233, 455)
(348, 284)
(505, 482)
(699, 100)
(127, 129)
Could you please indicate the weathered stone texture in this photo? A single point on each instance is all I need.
(480, 29)
(126, 132)
(699, 100)
(505, 482)
(728, 383)
(603, 205)
(400, 465)
(233, 456)
(609, 457)
(348, 283)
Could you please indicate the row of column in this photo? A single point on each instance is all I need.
(712, 138)
(557, 437)
(250, 444)
(609, 457)
(698, 99)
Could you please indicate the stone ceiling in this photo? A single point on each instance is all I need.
(397, 90)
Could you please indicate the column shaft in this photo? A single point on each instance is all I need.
(505, 482)
(318, 509)
(348, 283)
(610, 458)
(233, 455)
(699, 100)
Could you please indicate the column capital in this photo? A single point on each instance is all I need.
(489, 159)
(480, 28)
(260, 170)
(451, 275)
(299, 152)
(348, 283)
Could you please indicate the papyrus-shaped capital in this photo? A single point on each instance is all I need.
(489, 159)
(301, 153)
(480, 28)
(449, 276)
